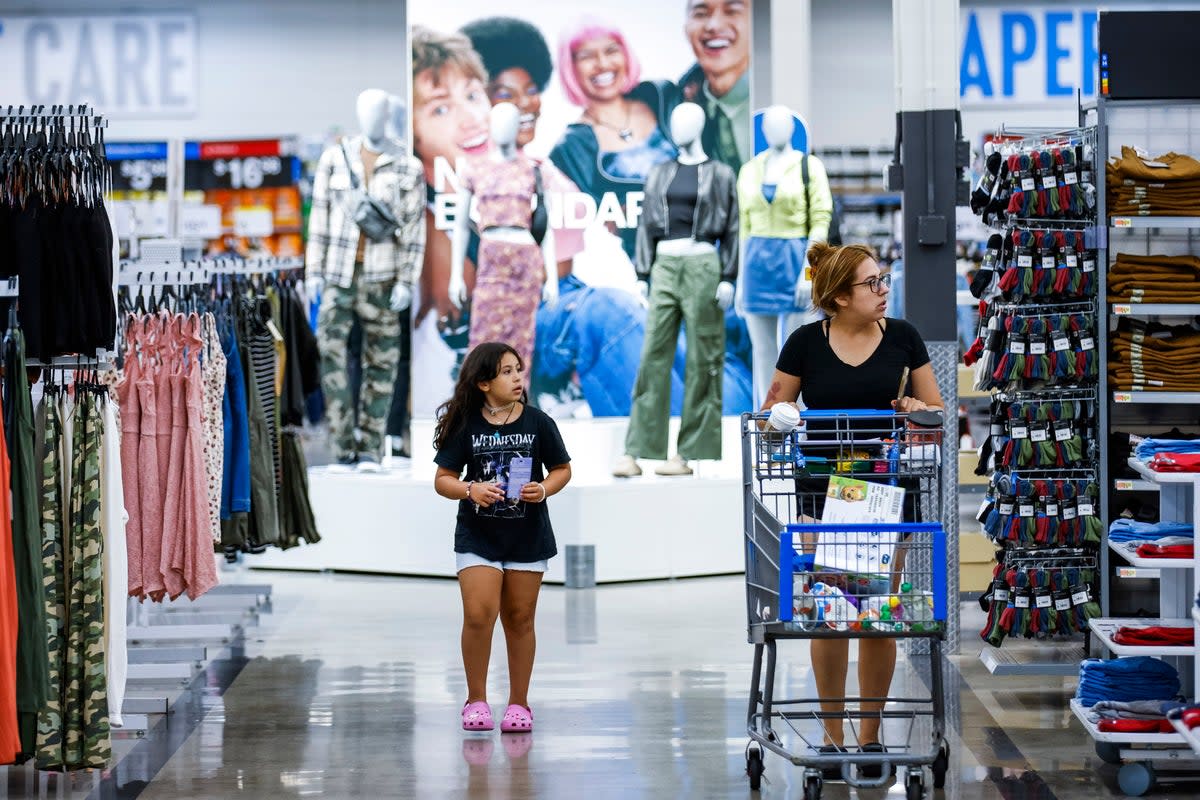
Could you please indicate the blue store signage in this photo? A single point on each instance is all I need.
(1035, 55)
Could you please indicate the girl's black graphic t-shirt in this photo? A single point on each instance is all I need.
(510, 530)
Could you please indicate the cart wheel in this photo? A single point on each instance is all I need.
(812, 787)
(1109, 752)
(754, 767)
(941, 765)
(914, 787)
(1136, 779)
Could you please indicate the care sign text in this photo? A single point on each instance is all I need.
(126, 65)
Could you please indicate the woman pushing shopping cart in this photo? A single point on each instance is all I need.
(828, 557)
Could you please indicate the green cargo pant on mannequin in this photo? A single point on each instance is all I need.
(370, 303)
(682, 289)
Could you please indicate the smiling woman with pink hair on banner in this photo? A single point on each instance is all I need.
(621, 132)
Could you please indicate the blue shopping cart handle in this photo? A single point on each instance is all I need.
(864, 528)
(846, 412)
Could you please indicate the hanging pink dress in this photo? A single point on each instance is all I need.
(131, 417)
(149, 483)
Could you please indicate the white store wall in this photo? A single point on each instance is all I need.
(268, 67)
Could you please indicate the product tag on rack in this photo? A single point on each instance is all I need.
(1038, 433)
(1061, 602)
(1089, 265)
(1072, 260)
(1086, 342)
(1079, 596)
(1049, 182)
(1006, 506)
(1000, 594)
(985, 508)
(1061, 342)
(1016, 344)
(1062, 431)
(1018, 429)
(1050, 505)
(1069, 510)
(1070, 177)
(1021, 601)
(1048, 262)
(1086, 509)
(1037, 347)
(1025, 260)
(1044, 601)
(1025, 508)
(1028, 184)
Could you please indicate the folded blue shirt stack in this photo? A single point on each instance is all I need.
(1130, 530)
(1148, 447)
(1125, 680)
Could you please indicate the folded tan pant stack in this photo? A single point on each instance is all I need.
(1154, 279)
(1170, 188)
(1154, 358)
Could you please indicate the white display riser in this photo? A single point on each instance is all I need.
(642, 528)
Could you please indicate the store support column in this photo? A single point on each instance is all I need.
(928, 174)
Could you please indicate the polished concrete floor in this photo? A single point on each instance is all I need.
(352, 687)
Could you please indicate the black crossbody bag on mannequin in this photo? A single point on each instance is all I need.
(540, 221)
(371, 216)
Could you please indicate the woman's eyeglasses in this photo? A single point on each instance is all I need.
(878, 284)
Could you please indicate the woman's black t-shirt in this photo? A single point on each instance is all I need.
(510, 530)
(827, 382)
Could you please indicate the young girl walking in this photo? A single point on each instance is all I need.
(514, 458)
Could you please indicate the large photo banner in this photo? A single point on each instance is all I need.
(595, 85)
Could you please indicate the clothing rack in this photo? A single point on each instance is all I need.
(1048, 395)
(1053, 309)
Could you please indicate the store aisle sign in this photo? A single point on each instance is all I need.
(126, 65)
(1035, 55)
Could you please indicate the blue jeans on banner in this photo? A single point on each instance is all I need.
(597, 334)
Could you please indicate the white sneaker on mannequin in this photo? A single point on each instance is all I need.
(673, 466)
(627, 467)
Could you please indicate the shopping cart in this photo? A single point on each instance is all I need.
(806, 579)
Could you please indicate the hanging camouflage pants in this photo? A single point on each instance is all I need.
(81, 740)
(49, 728)
(370, 304)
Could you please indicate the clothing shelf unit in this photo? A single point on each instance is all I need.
(1128, 583)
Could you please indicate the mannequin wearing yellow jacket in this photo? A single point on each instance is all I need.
(777, 224)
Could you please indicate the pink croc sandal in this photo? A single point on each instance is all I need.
(477, 716)
(517, 719)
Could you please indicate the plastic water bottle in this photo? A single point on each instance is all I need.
(917, 611)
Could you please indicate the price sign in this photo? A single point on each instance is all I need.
(1122, 222)
(251, 164)
(1122, 310)
(254, 222)
(200, 221)
(1122, 397)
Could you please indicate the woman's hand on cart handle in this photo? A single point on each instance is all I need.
(906, 405)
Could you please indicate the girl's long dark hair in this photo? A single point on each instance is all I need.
(482, 364)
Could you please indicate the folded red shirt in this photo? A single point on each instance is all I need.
(1151, 550)
(1107, 725)
(1154, 636)
(1175, 462)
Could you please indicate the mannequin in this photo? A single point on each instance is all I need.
(775, 293)
(360, 280)
(512, 272)
(687, 262)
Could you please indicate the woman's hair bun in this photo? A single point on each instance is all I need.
(817, 251)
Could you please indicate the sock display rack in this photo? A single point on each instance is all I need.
(1137, 403)
(1038, 353)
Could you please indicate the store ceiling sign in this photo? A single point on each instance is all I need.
(127, 65)
(1032, 55)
